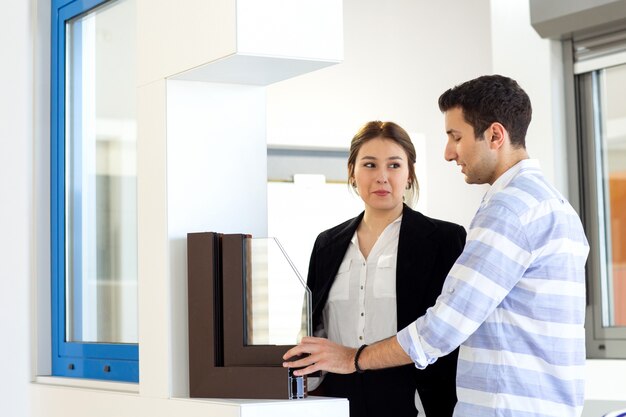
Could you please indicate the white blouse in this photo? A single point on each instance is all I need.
(361, 306)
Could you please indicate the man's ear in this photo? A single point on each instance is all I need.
(496, 134)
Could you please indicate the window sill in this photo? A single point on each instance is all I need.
(126, 387)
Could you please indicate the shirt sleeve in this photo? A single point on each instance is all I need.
(495, 257)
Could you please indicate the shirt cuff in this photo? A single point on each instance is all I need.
(409, 340)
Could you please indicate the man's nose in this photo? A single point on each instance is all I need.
(449, 153)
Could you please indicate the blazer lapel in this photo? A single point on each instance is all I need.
(416, 256)
(330, 257)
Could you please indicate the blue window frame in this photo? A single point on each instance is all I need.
(72, 356)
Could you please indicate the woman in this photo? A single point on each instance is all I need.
(376, 273)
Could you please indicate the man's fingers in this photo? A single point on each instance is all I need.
(307, 370)
(308, 344)
(314, 354)
(294, 351)
(300, 363)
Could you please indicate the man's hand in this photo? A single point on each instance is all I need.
(324, 355)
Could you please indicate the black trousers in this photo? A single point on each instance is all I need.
(391, 392)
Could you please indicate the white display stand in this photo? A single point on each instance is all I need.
(124, 400)
(311, 406)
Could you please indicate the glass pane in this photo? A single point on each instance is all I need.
(278, 302)
(100, 176)
(613, 114)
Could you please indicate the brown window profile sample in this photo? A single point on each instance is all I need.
(221, 365)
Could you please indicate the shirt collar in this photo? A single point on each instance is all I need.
(355, 239)
(508, 175)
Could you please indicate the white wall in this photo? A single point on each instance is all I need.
(392, 70)
(519, 52)
(216, 180)
(16, 214)
(399, 57)
(419, 54)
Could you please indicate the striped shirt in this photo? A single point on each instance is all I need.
(515, 304)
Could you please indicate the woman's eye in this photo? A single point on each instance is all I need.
(394, 165)
(369, 165)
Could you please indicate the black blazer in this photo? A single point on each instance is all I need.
(427, 249)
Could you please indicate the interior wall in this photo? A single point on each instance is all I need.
(216, 181)
(399, 57)
(519, 52)
(16, 189)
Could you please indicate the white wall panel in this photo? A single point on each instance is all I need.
(16, 200)
(153, 258)
(516, 44)
(216, 181)
(174, 36)
(310, 29)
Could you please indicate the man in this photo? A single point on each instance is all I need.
(514, 301)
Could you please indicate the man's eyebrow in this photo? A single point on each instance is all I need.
(450, 131)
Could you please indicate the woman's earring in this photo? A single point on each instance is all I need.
(353, 184)
(408, 185)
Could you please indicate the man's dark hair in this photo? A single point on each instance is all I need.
(488, 99)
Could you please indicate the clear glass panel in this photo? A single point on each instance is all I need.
(278, 302)
(613, 123)
(100, 176)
